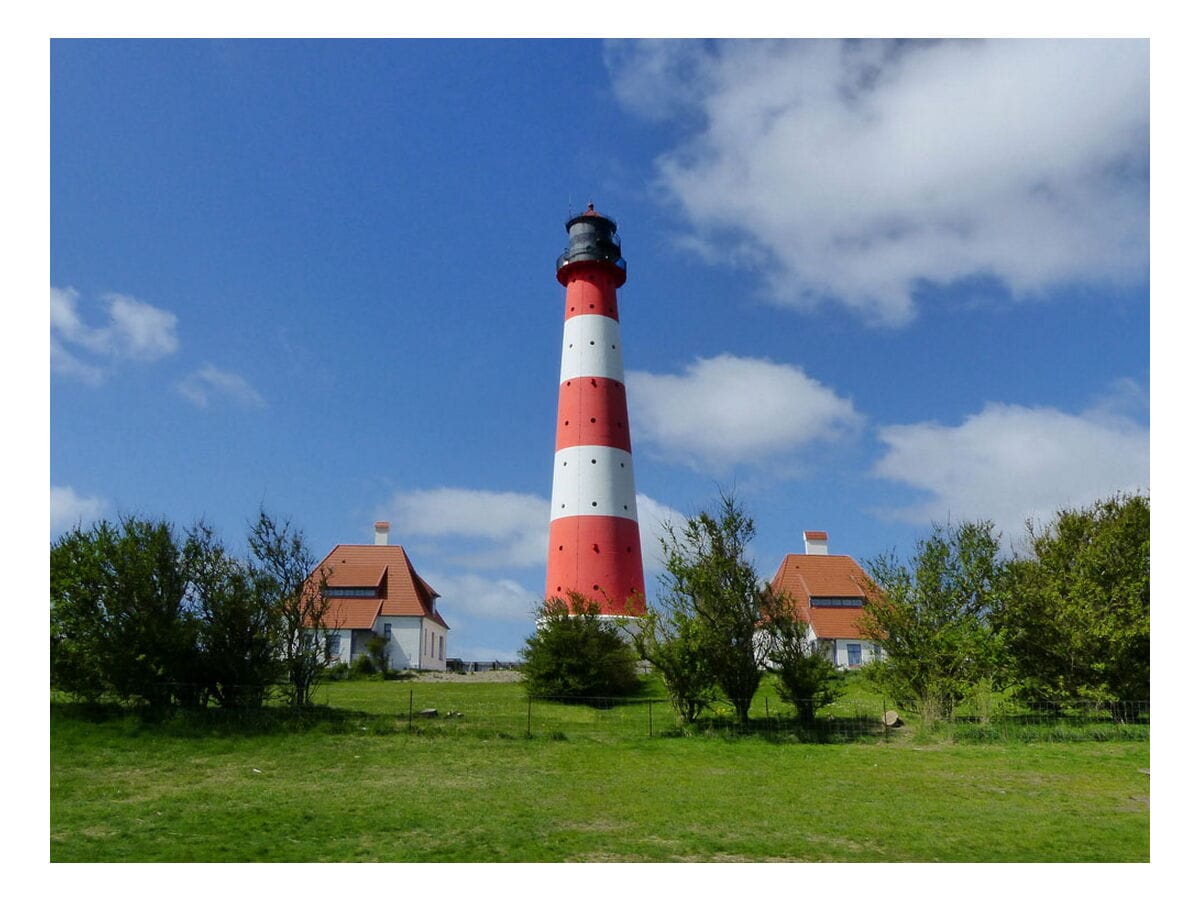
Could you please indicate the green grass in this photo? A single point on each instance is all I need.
(360, 786)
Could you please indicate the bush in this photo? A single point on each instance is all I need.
(574, 654)
(808, 680)
(377, 650)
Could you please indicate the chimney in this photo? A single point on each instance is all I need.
(816, 543)
(381, 533)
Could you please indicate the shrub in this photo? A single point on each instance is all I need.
(377, 650)
(574, 654)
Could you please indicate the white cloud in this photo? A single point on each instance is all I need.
(471, 596)
(653, 520)
(135, 331)
(68, 508)
(208, 384)
(490, 529)
(1013, 463)
(727, 410)
(857, 170)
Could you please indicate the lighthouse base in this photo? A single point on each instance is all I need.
(600, 558)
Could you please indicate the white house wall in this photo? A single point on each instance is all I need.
(841, 652)
(417, 643)
(345, 646)
(410, 645)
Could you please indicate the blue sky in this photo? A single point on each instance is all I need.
(872, 286)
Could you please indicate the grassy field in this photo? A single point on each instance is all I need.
(365, 788)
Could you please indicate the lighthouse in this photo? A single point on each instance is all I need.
(595, 548)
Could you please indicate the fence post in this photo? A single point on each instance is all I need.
(650, 715)
(529, 718)
(883, 719)
(410, 693)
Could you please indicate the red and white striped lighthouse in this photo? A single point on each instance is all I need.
(595, 548)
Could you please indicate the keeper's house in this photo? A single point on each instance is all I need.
(373, 589)
(829, 592)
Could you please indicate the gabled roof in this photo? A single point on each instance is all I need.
(804, 576)
(402, 592)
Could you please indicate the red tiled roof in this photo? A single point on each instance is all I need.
(356, 576)
(816, 535)
(352, 612)
(804, 576)
(402, 591)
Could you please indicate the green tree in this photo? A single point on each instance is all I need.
(238, 629)
(118, 622)
(930, 615)
(805, 677)
(1075, 616)
(710, 578)
(671, 639)
(576, 654)
(282, 564)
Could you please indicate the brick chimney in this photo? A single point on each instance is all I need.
(381, 533)
(816, 543)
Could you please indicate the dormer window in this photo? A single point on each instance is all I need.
(837, 601)
(350, 592)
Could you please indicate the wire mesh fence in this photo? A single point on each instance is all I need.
(423, 709)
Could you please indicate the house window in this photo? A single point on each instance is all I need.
(441, 646)
(387, 630)
(837, 601)
(350, 592)
(854, 654)
(334, 647)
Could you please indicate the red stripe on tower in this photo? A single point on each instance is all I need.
(595, 548)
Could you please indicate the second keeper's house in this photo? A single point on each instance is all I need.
(829, 593)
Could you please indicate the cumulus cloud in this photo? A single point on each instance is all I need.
(654, 519)
(489, 529)
(1013, 463)
(69, 508)
(728, 409)
(475, 596)
(134, 330)
(208, 384)
(857, 171)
